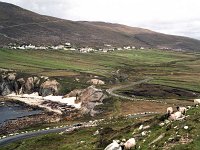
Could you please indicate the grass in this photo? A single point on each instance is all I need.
(96, 63)
(119, 128)
(176, 69)
(67, 65)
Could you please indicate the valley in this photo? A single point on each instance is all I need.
(95, 85)
(122, 71)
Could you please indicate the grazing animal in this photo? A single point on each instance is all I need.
(169, 110)
(113, 146)
(182, 110)
(130, 143)
(196, 101)
(175, 116)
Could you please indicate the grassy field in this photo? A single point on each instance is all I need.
(175, 136)
(166, 67)
(37, 61)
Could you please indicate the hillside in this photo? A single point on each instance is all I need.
(18, 25)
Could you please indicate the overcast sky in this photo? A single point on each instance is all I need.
(178, 17)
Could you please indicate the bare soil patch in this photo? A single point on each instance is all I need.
(155, 91)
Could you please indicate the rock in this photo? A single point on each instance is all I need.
(167, 121)
(91, 94)
(21, 85)
(74, 93)
(96, 132)
(90, 97)
(29, 85)
(11, 76)
(185, 127)
(143, 133)
(8, 84)
(146, 127)
(96, 82)
(36, 81)
(161, 124)
(157, 139)
(49, 87)
(5, 88)
(123, 140)
(141, 127)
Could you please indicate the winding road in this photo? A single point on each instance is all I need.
(18, 137)
(111, 90)
(22, 136)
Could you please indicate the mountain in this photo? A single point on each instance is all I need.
(18, 25)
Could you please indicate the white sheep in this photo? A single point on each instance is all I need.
(175, 116)
(113, 146)
(182, 110)
(169, 110)
(196, 101)
(130, 143)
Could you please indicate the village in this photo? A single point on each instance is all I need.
(68, 46)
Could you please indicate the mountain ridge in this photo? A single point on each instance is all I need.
(19, 25)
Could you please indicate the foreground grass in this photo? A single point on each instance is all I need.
(176, 137)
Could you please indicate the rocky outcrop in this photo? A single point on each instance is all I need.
(10, 83)
(21, 82)
(49, 87)
(90, 97)
(29, 85)
(74, 93)
(96, 82)
(14, 125)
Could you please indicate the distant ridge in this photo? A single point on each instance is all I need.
(18, 25)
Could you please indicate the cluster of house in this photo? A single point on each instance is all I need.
(30, 46)
(68, 46)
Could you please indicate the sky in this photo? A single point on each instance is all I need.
(177, 17)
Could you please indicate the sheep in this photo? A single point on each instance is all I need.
(169, 110)
(113, 146)
(196, 101)
(182, 110)
(130, 143)
(175, 116)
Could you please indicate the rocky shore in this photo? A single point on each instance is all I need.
(42, 92)
(14, 125)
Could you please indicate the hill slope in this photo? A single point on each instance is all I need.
(18, 25)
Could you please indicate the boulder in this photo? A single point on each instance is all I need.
(5, 88)
(36, 81)
(89, 98)
(75, 93)
(49, 87)
(96, 82)
(29, 85)
(91, 94)
(8, 84)
(11, 76)
(21, 85)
